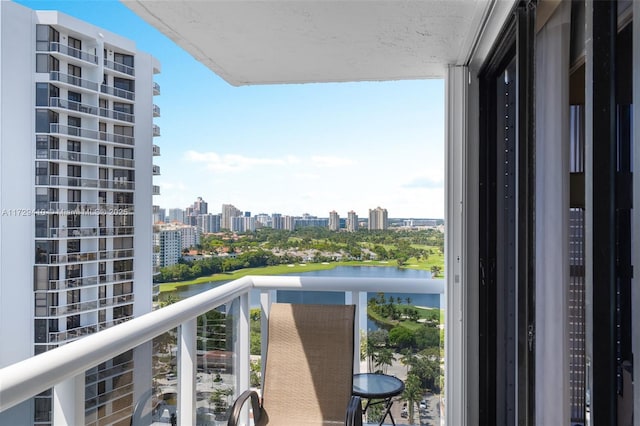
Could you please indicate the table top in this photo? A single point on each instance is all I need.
(376, 385)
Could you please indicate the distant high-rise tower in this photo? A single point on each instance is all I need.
(276, 221)
(200, 206)
(378, 219)
(229, 211)
(77, 145)
(352, 221)
(334, 221)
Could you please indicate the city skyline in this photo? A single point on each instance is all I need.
(341, 214)
(296, 147)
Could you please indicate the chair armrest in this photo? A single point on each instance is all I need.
(234, 417)
(354, 412)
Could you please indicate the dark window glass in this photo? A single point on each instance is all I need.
(74, 171)
(73, 195)
(42, 94)
(74, 70)
(74, 121)
(75, 43)
(123, 107)
(123, 59)
(73, 146)
(124, 84)
(74, 96)
(42, 62)
(123, 153)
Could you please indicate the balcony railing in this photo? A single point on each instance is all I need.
(156, 150)
(116, 66)
(89, 281)
(73, 80)
(120, 93)
(117, 115)
(156, 170)
(155, 190)
(73, 52)
(73, 106)
(61, 367)
(155, 130)
(156, 110)
(156, 89)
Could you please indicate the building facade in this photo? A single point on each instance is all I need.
(352, 221)
(378, 219)
(76, 146)
(229, 211)
(334, 221)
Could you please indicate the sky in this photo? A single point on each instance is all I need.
(289, 149)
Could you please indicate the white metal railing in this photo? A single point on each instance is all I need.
(59, 367)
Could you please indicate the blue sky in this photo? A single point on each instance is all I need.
(290, 149)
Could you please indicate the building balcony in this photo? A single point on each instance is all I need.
(156, 89)
(68, 335)
(73, 283)
(121, 68)
(119, 93)
(54, 154)
(90, 134)
(156, 110)
(122, 230)
(156, 170)
(156, 151)
(73, 106)
(72, 232)
(156, 130)
(91, 256)
(117, 115)
(72, 52)
(186, 332)
(155, 190)
(73, 80)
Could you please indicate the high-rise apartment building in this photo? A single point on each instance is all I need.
(352, 221)
(176, 215)
(378, 219)
(76, 148)
(208, 223)
(200, 206)
(288, 223)
(276, 221)
(169, 242)
(229, 211)
(334, 221)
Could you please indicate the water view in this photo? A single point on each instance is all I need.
(426, 300)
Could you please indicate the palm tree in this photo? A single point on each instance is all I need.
(408, 359)
(435, 270)
(384, 359)
(412, 394)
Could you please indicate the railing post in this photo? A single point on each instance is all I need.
(242, 346)
(358, 298)
(68, 401)
(187, 364)
(266, 297)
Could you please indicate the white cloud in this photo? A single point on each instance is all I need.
(425, 182)
(325, 161)
(234, 162)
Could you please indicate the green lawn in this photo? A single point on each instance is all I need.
(411, 325)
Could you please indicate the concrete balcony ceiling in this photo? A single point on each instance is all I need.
(275, 41)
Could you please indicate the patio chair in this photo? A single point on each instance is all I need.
(308, 377)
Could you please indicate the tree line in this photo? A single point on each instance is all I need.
(258, 248)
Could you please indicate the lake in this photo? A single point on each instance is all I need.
(427, 300)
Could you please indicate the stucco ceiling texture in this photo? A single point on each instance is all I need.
(300, 41)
